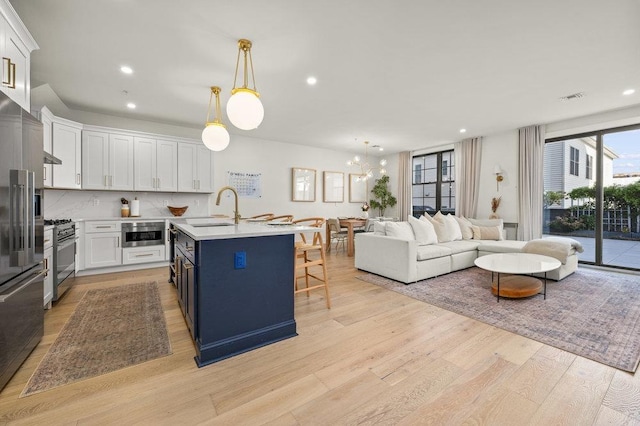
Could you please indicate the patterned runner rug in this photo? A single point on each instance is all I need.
(110, 329)
(591, 313)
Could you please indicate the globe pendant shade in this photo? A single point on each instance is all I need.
(244, 109)
(215, 137)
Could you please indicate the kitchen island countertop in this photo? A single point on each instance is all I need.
(212, 228)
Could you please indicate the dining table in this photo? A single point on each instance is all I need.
(350, 223)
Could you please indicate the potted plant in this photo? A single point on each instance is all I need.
(382, 196)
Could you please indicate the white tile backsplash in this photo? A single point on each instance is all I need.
(74, 204)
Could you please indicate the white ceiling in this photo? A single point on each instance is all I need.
(402, 74)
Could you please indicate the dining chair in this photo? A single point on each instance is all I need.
(338, 235)
(311, 242)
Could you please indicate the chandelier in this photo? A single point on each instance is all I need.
(367, 170)
(244, 109)
(215, 135)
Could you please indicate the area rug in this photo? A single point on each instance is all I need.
(591, 313)
(110, 329)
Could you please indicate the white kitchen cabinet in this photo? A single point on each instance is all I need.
(155, 165)
(195, 167)
(107, 161)
(102, 245)
(16, 45)
(46, 117)
(144, 254)
(48, 266)
(67, 143)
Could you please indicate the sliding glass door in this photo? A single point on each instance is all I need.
(592, 194)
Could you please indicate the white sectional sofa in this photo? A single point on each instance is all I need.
(408, 258)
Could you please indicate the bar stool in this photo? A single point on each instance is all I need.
(303, 262)
(281, 218)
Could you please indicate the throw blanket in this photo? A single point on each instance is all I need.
(556, 247)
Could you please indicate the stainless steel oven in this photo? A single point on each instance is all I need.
(64, 256)
(136, 234)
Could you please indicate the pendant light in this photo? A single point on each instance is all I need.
(244, 109)
(215, 135)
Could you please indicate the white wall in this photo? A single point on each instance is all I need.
(502, 150)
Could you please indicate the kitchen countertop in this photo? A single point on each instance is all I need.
(225, 228)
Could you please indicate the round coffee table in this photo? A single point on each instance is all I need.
(516, 286)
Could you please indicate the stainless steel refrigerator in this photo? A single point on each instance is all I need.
(21, 235)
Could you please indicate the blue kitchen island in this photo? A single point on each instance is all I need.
(234, 283)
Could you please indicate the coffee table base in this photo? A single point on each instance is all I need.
(517, 286)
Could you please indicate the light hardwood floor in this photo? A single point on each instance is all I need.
(376, 357)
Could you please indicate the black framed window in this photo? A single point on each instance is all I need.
(433, 186)
(574, 161)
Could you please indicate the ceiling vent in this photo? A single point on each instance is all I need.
(572, 97)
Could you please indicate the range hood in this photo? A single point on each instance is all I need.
(50, 159)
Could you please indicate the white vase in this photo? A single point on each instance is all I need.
(365, 215)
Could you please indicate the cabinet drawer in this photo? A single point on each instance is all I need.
(132, 255)
(187, 245)
(48, 239)
(103, 226)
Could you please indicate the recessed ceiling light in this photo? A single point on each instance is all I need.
(463, 130)
(131, 105)
(311, 81)
(126, 69)
(629, 92)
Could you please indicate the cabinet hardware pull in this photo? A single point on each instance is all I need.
(77, 178)
(158, 183)
(7, 62)
(144, 255)
(12, 76)
(105, 181)
(118, 245)
(103, 226)
(47, 240)
(45, 173)
(46, 267)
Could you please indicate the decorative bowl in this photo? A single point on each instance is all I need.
(177, 211)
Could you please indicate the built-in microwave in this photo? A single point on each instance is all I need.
(136, 234)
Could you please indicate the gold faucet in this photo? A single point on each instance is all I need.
(236, 213)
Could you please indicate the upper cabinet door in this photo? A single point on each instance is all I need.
(187, 167)
(67, 141)
(120, 162)
(95, 160)
(16, 45)
(144, 164)
(204, 168)
(167, 166)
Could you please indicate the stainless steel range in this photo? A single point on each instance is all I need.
(64, 255)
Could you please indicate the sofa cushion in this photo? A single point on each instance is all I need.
(461, 246)
(424, 231)
(379, 228)
(432, 251)
(487, 232)
(444, 228)
(401, 230)
(452, 227)
(465, 227)
(504, 246)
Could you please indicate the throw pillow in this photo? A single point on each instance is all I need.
(401, 230)
(451, 229)
(378, 228)
(440, 228)
(487, 232)
(465, 227)
(424, 231)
